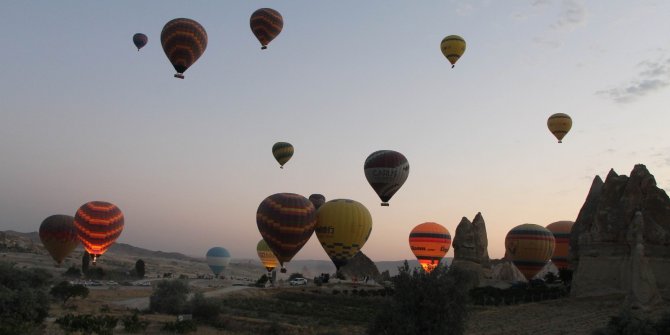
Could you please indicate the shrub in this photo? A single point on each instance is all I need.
(133, 324)
(169, 296)
(139, 268)
(87, 323)
(72, 272)
(96, 273)
(180, 327)
(627, 323)
(262, 281)
(424, 303)
(204, 308)
(64, 291)
(24, 302)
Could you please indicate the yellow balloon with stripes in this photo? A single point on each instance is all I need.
(266, 255)
(282, 151)
(453, 47)
(529, 247)
(559, 124)
(561, 231)
(342, 226)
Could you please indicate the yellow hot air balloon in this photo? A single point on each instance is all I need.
(529, 246)
(283, 151)
(266, 255)
(453, 47)
(342, 226)
(559, 124)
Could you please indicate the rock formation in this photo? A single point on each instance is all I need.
(643, 292)
(471, 248)
(359, 267)
(600, 252)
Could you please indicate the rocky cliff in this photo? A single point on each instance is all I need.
(471, 249)
(599, 252)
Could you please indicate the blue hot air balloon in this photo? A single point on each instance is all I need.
(218, 259)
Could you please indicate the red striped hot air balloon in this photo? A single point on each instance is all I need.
(429, 242)
(286, 221)
(530, 247)
(184, 41)
(386, 171)
(98, 225)
(561, 231)
(59, 236)
(266, 24)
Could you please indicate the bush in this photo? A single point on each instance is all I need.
(24, 302)
(87, 323)
(64, 291)
(204, 308)
(133, 324)
(180, 327)
(630, 323)
(72, 272)
(169, 296)
(139, 268)
(262, 281)
(424, 303)
(96, 273)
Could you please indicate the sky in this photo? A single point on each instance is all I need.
(84, 116)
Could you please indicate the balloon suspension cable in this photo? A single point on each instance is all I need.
(179, 75)
(264, 47)
(385, 204)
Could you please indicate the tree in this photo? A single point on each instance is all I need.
(139, 268)
(72, 272)
(24, 302)
(424, 303)
(169, 296)
(64, 291)
(85, 262)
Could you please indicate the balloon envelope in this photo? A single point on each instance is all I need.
(530, 247)
(559, 124)
(386, 171)
(266, 24)
(184, 41)
(59, 236)
(286, 221)
(343, 226)
(266, 255)
(429, 242)
(98, 225)
(317, 200)
(140, 40)
(561, 231)
(453, 47)
(282, 151)
(217, 259)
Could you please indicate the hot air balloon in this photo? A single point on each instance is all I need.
(282, 151)
(140, 40)
(530, 247)
(266, 24)
(184, 41)
(386, 171)
(561, 231)
(559, 124)
(286, 222)
(453, 47)
(317, 200)
(343, 226)
(266, 255)
(217, 259)
(429, 242)
(59, 236)
(98, 225)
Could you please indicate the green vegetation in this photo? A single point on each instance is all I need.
(169, 296)
(423, 303)
(72, 272)
(180, 327)
(64, 291)
(88, 324)
(262, 281)
(204, 309)
(133, 324)
(24, 302)
(139, 268)
(522, 293)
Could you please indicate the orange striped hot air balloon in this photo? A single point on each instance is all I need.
(59, 236)
(184, 41)
(530, 247)
(561, 231)
(286, 221)
(266, 24)
(98, 225)
(429, 242)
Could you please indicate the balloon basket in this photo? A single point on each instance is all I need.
(179, 75)
(385, 204)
